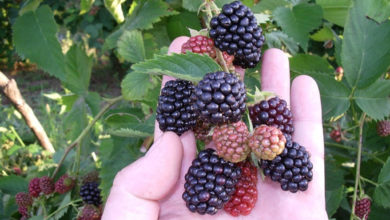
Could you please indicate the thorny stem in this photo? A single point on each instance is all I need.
(369, 181)
(211, 5)
(110, 103)
(359, 155)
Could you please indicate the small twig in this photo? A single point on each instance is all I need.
(11, 90)
(369, 181)
(147, 142)
(359, 155)
(354, 149)
(17, 136)
(110, 103)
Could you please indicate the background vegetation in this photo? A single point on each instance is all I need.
(74, 60)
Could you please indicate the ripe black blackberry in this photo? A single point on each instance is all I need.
(210, 183)
(175, 111)
(90, 193)
(235, 31)
(273, 112)
(220, 98)
(292, 168)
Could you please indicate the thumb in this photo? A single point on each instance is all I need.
(138, 187)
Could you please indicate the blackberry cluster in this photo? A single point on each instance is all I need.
(90, 193)
(210, 183)
(175, 111)
(220, 98)
(235, 31)
(273, 112)
(292, 168)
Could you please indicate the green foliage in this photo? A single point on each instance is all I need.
(85, 6)
(115, 8)
(382, 192)
(335, 11)
(13, 184)
(131, 46)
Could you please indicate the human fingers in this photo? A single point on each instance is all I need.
(138, 187)
(275, 73)
(175, 47)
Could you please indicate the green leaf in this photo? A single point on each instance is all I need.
(178, 24)
(334, 95)
(382, 192)
(85, 6)
(269, 5)
(335, 11)
(93, 101)
(115, 8)
(324, 34)
(334, 175)
(128, 125)
(116, 153)
(144, 14)
(78, 114)
(366, 50)
(333, 200)
(379, 10)
(189, 66)
(278, 39)
(136, 85)
(375, 99)
(63, 207)
(34, 36)
(299, 21)
(131, 46)
(192, 5)
(13, 184)
(29, 5)
(78, 69)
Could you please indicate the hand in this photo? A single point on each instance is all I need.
(151, 187)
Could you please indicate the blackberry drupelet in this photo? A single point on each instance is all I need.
(175, 110)
(292, 168)
(235, 31)
(210, 183)
(90, 193)
(273, 112)
(220, 98)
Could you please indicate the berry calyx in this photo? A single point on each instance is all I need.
(267, 142)
(33, 187)
(220, 98)
(292, 168)
(210, 183)
(273, 112)
(231, 141)
(64, 184)
(245, 196)
(175, 111)
(383, 128)
(363, 208)
(23, 199)
(46, 184)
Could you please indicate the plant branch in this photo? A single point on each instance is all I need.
(354, 149)
(369, 181)
(359, 155)
(11, 91)
(110, 103)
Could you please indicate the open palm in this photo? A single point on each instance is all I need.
(151, 187)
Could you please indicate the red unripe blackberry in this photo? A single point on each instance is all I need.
(245, 197)
(231, 141)
(363, 208)
(90, 193)
(235, 31)
(267, 142)
(46, 184)
(210, 183)
(204, 45)
(383, 128)
(23, 199)
(292, 168)
(90, 212)
(175, 111)
(23, 211)
(335, 135)
(64, 184)
(273, 112)
(220, 98)
(33, 187)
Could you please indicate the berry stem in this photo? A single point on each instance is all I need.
(110, 102)
(369, 181)
(372, 156)
(359, 155)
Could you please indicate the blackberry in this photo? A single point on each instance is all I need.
(210, 183)
(292, 168)
(235, 31)
(383, 128)
(90, 193)
(363, 208)
(273, 112)
(175, 111)
(220, 98)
